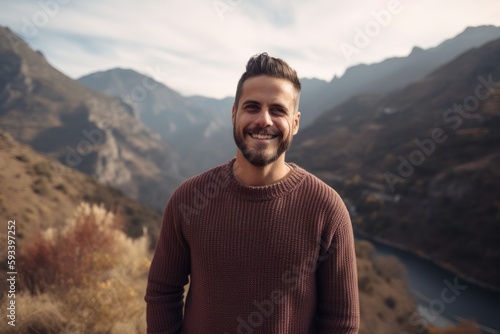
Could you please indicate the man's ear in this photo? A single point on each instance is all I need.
(296, 122)
(233, 114)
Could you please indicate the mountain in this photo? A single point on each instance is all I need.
(214, 104)
(388, 75)
(198, 128)
(39, 192)
(83, 129)
(420, 167)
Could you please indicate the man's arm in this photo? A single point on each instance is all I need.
(167, 276)
(338, 299)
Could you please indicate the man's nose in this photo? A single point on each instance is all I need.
(264, 118)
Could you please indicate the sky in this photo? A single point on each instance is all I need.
(200, 47)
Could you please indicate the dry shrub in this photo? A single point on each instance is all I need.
(364, 249)
(389, 267)
(94, 274)
(73, 256)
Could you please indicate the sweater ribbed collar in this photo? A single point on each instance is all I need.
(264, 193)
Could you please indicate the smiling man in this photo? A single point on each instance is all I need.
(268, 246)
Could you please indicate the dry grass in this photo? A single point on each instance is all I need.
(466, 327)
(385, 303)
(88, 277)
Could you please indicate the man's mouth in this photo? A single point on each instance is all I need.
(262, 136)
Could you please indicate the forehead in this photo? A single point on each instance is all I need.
(268, 89)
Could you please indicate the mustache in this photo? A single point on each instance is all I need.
(257, 130)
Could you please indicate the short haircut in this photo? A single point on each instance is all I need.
(263, 64)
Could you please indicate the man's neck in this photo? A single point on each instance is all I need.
(251, 175)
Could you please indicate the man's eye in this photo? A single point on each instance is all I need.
(278, 111)
(251, 107)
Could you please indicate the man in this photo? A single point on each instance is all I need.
(268, 247)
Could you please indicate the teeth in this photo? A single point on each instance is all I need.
(258, 136)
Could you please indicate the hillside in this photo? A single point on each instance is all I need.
(421, 166)
(83, 129)
(388, 75)
(39, 192)
(198, 128)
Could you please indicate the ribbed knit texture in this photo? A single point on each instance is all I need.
(270, 259)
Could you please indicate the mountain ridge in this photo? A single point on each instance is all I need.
(197, 127)
(84, 129)
(391, 73)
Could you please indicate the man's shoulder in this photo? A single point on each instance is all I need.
(315, 183)
(318, 191)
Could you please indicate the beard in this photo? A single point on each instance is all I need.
(258, 156)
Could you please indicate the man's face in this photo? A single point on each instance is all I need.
(265, 120)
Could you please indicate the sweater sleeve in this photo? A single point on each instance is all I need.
(167, 276)
(338, 298)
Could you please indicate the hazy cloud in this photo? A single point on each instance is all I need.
(203, 45)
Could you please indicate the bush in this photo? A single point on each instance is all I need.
(22, 157)
(71, 256)
(62, 188)
(390, 302)
(389, 267)
(43, 169)
(88, 277)
(40, 186)
(365, 284)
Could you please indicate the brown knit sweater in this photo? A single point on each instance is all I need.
(270, 259)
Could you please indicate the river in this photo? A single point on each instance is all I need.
(461, 300)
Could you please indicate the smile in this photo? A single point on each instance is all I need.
(262, 136)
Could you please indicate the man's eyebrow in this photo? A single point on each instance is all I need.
(279, 105)
(251, 101)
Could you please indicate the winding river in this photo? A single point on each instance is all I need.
(442, 297)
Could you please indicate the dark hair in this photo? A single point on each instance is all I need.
(263, 64)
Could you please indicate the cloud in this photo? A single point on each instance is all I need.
(204, 49)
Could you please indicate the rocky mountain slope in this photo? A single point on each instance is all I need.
(389, 75)
(39, 192)
(83, 129)
(421, 166)
(198, 128)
